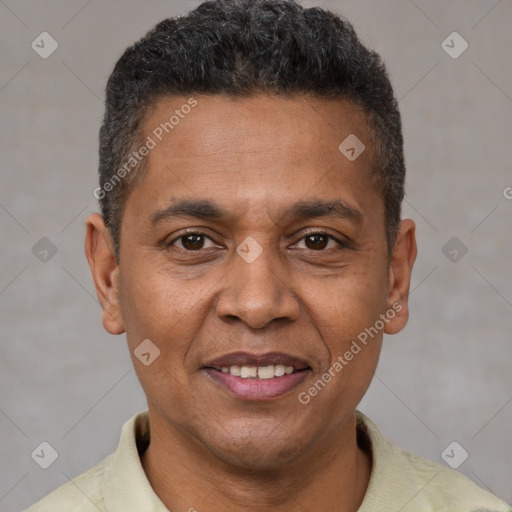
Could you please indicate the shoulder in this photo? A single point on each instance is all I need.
(404, 481)
(118, 480)
(83, 493)
(445, 490)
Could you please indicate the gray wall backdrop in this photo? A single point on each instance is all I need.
(445, 378)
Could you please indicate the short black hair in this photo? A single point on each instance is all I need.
(239, 48)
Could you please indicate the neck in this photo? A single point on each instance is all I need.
(187, 476)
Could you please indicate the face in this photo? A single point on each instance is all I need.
(254, 246)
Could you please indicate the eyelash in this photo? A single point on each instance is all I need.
(311, 233)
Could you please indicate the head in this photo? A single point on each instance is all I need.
(247, 227)
(239, 49)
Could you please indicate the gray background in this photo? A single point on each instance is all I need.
(446, 377)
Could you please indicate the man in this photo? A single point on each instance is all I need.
(251, 247)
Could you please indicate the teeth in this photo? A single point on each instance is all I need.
(235, 370)
(248, 372)
(280, 370)
(266, 372)
(260, 372)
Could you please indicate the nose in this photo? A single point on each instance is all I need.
(258, 293)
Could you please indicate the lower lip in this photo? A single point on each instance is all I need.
(257, 389)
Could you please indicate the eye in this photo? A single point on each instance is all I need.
(319, 241)
(314, 241)
(192, 241)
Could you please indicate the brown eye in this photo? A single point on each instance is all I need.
(317, 242)
(193, 242)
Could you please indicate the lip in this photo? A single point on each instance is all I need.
(248, 359)
(257, 389)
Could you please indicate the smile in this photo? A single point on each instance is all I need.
(257, 377)
(258, 372)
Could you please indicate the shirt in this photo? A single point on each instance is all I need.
(399, 480)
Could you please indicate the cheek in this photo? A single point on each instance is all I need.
(346, 306)
(168, 312)
(153, 312)
(155, 304)
(346, 312)
(353, 349)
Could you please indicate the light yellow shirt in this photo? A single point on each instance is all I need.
(400, 481)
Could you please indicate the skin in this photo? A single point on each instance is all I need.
(255, 157)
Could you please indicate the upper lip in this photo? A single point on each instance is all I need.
(248, 359)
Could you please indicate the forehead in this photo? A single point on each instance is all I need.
(302, 125)
(254, 152)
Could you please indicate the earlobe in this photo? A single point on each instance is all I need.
(105, 272)
(400, 269)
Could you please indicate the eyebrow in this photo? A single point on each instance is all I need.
(199, 209)
(205, 209)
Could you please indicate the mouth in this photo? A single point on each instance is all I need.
(257, 377)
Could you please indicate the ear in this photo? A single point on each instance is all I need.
(400, 268)
(100, 254)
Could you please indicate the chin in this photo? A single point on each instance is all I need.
(257, 453)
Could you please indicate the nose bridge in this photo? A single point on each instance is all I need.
(257, 290)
